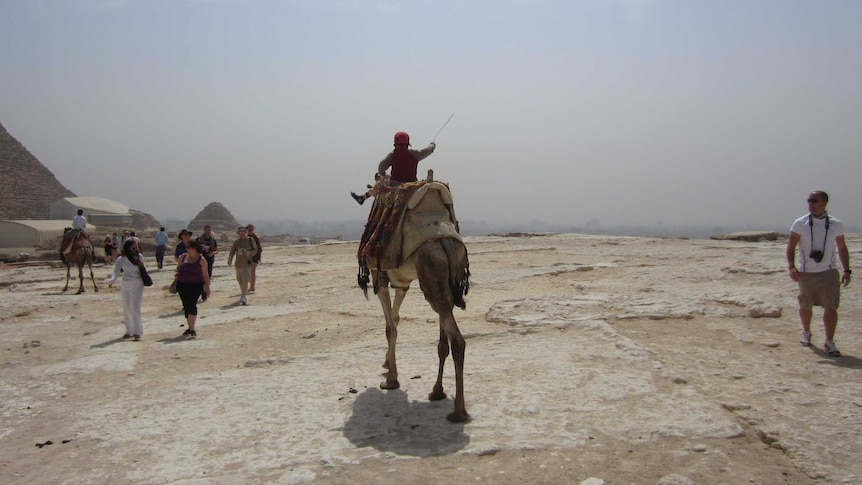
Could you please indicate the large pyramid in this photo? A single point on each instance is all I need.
(217, 216)
(27, 188)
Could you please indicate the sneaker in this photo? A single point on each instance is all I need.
(187, 332)
(360, 199)
(805, 341)
(242, 300)
(137, 337)
(127, 336)
(251, 290)
(193, 334)
(831, 349)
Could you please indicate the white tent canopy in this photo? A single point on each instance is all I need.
(28, 234)
(67, 207)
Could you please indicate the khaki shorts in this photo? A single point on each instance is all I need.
(243, 275)
(819, 289)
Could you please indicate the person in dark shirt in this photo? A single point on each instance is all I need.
(210, 247)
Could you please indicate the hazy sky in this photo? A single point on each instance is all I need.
(623, 111)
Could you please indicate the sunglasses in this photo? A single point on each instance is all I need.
(813, 201)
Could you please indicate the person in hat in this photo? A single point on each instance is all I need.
(403, 161)
(184, 236)
(244, 249)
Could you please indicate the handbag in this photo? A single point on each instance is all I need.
(145, 277)
(173, 288)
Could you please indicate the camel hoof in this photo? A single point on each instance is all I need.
(96, 290)
(436, 396)
(456, 417)
(389, 385)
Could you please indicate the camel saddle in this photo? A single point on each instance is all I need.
(404, 218)
(75, 239)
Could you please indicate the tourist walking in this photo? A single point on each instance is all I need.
(210, 247)
(244, 249)
(185, 237)
(117, 244)
(818, 236)
(161, 238)
(109, 249)
(130, 264)
(255, 260)
(192, 281)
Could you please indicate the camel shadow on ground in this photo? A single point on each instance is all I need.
(388, 421)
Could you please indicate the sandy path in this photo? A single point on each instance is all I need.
(632, 360)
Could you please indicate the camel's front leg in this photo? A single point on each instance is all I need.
(400, 294)
(391, 381)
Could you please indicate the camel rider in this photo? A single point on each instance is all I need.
(79, 223)
(403, 160)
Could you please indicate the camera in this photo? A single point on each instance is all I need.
(817, 256)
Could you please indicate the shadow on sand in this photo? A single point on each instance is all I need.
(173, 340)
(177, 313)
(387, 421)
(109, 342)
(846, 361)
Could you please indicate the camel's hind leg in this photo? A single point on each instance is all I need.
(434, 266)
(81, 288)
(90, 265)
(68, 270)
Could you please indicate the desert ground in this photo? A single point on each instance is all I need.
(590, 359)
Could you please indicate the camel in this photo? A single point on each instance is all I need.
(80, 252)
(435, 255)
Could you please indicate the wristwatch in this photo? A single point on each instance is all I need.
(847, 271)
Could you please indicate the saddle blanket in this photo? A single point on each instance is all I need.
(404, 218)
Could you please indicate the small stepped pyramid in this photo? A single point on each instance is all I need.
(217, 216)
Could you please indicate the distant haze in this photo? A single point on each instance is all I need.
(567, 113)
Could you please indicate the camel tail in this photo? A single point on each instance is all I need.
(459, 270)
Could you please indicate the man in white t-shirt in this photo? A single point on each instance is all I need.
(818, 236)
(79, 223)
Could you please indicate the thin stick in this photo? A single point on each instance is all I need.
(441, 128)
